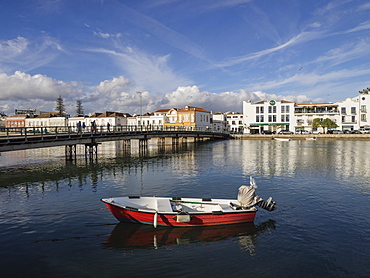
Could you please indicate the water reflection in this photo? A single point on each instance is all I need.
(136, 236)
(345, 160)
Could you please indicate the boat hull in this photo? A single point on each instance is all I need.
(169, 219)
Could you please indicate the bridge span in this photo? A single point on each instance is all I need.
(13, 139)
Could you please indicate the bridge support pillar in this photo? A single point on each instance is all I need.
(143, 143)
(70, 152)
(183, 140)
(126, 144)
(91, 149)
(175, 141)
(161, 141)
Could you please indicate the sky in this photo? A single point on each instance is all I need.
(212, 54)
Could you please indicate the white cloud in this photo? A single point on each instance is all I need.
(298, 39)
(22, 86)
(11, 48)
(106, 35)
(23, 54)
(222, 102)
(150, 72)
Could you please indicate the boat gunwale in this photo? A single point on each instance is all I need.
(252, 209)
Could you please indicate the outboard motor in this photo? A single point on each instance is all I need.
(248, 198)
(267, 204)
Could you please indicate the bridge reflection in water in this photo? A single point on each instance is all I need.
(12, 139)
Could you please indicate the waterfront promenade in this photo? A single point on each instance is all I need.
(364, 137)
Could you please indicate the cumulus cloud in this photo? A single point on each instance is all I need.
(219, 102)
(21, 90)
(21, 86)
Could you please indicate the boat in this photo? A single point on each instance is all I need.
(281, 139)
(311, 138)
(189, 212)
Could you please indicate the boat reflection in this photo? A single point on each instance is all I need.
(137, 236)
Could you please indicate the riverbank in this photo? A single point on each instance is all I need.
(357, 137)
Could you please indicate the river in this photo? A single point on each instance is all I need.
(52, 223)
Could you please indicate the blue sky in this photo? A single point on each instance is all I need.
(207, 53)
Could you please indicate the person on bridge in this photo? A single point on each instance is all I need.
(108, 127)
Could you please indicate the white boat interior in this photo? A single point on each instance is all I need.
(175, 205)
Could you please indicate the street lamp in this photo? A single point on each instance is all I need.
(141, 107)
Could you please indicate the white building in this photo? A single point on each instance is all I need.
(306, 113)
(235, 122)
(270, 115)
(45, 120)
(219, 122)
(101, 120)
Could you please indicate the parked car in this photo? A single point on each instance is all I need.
(316, 132)
(268, 132)
(285, 132)
(335, 131)
(364, 130)
(355, 132)
(302, 132)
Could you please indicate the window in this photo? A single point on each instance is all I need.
(287, 109)
(274, 109)
(363, 117)
(274, 117)
(343, 119)
(261, 117)
(270, 118)
(262, 109)
(363, 108)
(282, 118)
(257, 109)
(287, 118)
(257, 118)
(353, 119)
(353, 110)
(283, 109)
(343, 110)
(240, 122)
(270, 109)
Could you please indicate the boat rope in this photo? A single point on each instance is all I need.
(46, 214)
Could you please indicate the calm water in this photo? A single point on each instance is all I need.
(52, 223)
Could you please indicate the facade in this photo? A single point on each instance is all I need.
(45, 120)
(350, 114)
(235, 122)
(219, 122)
(15, 121)
(273, 116)
(190, 117)
(101, 120)
(306, 113)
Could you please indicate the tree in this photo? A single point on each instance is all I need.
(60, 106)
(79, 108)
(326, 123)
(316, 123)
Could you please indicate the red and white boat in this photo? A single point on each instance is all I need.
(182, 212)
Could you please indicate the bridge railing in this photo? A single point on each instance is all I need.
(41, 131)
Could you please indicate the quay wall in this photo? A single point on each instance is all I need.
(358, 137)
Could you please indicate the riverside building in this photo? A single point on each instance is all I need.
(276, 116)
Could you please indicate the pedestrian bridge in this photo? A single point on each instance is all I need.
(13, 139)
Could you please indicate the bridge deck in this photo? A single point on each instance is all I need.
(22, 140)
